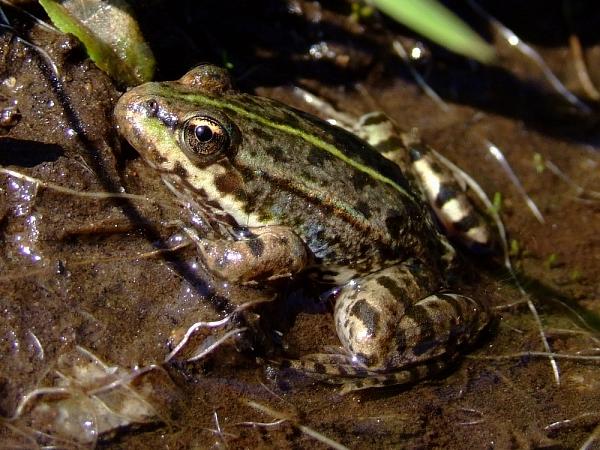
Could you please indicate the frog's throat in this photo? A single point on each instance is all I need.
(310, 138)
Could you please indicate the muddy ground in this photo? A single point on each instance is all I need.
(83, 289)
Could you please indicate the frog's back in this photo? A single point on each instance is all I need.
(359, 203)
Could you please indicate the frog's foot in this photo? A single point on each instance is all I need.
(444, 192)
(263, 253)
(351, 374)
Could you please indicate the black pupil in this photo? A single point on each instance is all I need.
(203, 133)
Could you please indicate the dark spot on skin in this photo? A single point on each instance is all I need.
(426, 339)
(395, 223)
(307, 175)
(278, 154)
(363, 208)
(435, 167)
(316, 157)
(457, 306)
(424, 346)
(228, 183)
(369, 316)
(360, 180)
(180, 171)
(445, 194)
(248, 207)
(320, 368)
(256, 246)
(390, 144)
(263, 215)
(400, 339)
(159, 159)
(291, 119)
(392, 286)
(466, 223)
(247, 174)
(365, 248)
(261, 135)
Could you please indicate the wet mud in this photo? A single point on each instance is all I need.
(97, 288)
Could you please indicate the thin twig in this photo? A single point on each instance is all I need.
(581, 191)
(593, 437)
(401, 52)
(540, 354)
(581, 68)
(514, 41)
(213, 324)
(212, 347)
(572, 421)
(499, 156)
(69, 191)
(305, 429)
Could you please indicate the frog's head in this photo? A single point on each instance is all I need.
(184, 131)
(172, 126)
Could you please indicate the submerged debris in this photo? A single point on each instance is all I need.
(89, 400)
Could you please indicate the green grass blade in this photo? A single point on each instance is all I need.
(435, 22)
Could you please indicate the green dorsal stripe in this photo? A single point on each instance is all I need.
(310, 138)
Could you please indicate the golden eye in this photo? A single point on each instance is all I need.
(204, 139)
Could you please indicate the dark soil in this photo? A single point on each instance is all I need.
(80, 272)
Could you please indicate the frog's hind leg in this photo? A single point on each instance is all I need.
(393, 331)
(440, 187)
(390, 319)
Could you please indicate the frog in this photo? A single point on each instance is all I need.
(287, 194)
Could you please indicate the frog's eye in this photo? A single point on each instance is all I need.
(204, 139)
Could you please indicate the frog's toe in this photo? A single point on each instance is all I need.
(407, 375)
(344, 370)
(332, 368)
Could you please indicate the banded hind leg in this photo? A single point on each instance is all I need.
(394, 330)
(440, 187)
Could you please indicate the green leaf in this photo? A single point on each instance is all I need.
(110, 35)
(435, 22)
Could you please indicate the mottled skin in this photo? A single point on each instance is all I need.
(285, 192)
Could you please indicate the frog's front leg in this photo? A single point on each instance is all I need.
(390, 319)
(264, 253)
